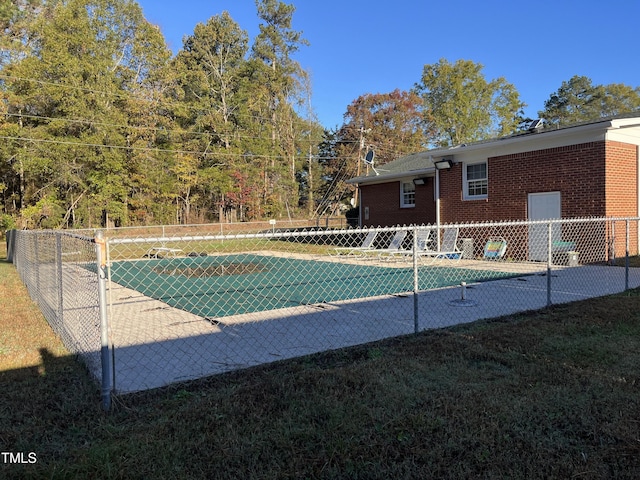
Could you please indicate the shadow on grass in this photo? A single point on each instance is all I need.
(40, 403)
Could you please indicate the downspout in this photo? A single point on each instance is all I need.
(638, 199)
(359, 207)
(437, 195)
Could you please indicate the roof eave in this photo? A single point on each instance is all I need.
(383, 178)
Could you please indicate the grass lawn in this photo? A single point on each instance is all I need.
(549, 394)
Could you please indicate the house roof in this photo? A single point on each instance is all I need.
(422, 163)
(414, 164)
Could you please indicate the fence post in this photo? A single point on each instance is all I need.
(11, 242)
(36, 267)
(416, 319)
(101, 257)
(549, 261)
(612, 244)
(626, 257)
(59, 277)
(109, 315)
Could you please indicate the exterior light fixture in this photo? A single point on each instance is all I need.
(419, 181)
(444, 164)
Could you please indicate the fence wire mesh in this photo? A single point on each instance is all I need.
(186, 303)
(58, 269)
(219, 228)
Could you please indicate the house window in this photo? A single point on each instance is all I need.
(475, 181)
(407, 194)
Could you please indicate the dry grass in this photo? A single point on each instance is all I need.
(550, 394)
(22, 335)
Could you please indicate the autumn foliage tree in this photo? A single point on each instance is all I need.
(389, 125)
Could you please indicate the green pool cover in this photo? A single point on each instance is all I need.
(219, 286)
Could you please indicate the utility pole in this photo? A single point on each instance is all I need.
(311, 200)
(360, 148)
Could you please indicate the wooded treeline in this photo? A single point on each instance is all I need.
(102, 125)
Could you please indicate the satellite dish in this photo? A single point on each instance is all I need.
(368, 159)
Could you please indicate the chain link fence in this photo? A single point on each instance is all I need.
(58, 269)
(318, 223)
(193, 303)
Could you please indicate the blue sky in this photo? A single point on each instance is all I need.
(372, 46)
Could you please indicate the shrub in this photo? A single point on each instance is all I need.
(7, 222)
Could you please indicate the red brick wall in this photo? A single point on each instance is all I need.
(621, 180)
(622, 192)
(576, 171)
(589, 187)
(383, 201)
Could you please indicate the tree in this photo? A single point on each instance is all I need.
(281, 80)
(101, 126)
(70, 100)
(578, 100)
(389, 124)
(392, 122)
(212, 60)
(210, 65)
(16, 27)
(461, 106)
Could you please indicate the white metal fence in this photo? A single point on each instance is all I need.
(150, 310)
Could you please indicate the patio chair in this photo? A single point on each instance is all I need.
(367, 244)
(495, 248)
(423, 240)
(394, 246)
(448, 248)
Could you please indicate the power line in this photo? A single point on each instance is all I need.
(161, 150)
(125, 96)
(235, 134)
(303, 138)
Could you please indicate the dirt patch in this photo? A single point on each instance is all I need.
(211, 270)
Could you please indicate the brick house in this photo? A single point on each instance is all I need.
(586, 170)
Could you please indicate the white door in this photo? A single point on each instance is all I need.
(543, 206)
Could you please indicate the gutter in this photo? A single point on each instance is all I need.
(371, 180)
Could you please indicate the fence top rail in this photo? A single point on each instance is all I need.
(177, 226)
(64, 233)
(266, 234)
(510, 223)
(275, 234)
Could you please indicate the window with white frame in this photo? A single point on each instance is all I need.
(475, 181)
(407, 194)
